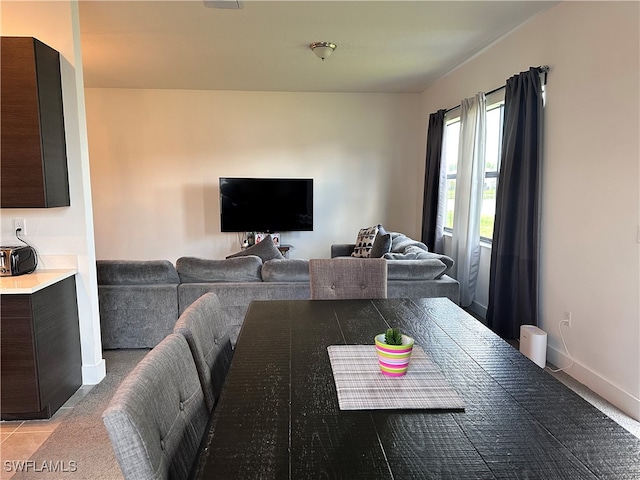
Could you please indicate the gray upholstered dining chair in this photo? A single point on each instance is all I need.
(348, 278)
(203, 327)
(158, 416)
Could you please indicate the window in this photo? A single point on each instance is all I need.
(452, 135)
(493, 147)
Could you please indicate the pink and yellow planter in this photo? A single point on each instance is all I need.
(394, 359)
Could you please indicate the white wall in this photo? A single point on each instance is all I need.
(591, 190)
(156, 156)
(63, 236)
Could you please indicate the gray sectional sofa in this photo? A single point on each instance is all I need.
(140, 301)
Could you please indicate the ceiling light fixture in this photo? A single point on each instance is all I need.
(225, 4)
(322, 49)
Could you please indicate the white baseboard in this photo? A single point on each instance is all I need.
(600, 385)
(93, 374)
(478, 309)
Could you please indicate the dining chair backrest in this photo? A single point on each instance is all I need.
(158, 416)
(203, 326)
(348, 278)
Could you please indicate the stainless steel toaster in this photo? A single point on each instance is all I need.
(17, 260)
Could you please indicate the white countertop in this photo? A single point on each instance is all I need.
(32, 282)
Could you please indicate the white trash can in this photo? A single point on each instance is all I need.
(533, 344)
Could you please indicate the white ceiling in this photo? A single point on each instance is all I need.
(382, 46)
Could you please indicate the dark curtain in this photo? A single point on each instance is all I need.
(513, 281)
(431, 215)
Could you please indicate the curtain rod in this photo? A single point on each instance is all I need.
(543, 69)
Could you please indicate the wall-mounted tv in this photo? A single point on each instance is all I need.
(266, 204)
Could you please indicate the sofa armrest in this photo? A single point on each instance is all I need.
(342, 249)
(136, 316)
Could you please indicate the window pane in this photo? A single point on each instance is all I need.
(488, 212)
(452, 133)
(492, 152)
(450, 202)
(492, 163)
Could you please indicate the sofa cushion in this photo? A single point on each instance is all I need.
(444, 287)
(286, 270)
(265, 249)
(364, 242)
(136, 316)
(136, 272)
(400, 242)
(382, 243)
(425, 269)
(236, 297)
(238, 269)
(419, 254)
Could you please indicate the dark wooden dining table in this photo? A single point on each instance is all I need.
(278, 415)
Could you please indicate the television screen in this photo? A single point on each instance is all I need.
(266, 204)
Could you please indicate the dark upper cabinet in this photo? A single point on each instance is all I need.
(33, 153)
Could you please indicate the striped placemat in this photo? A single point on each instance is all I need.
(361, 386)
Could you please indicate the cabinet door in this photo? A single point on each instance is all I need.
(20, 390)
(57, 338)
(33, 148)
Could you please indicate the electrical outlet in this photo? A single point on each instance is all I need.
(19, 223)
(566, 319)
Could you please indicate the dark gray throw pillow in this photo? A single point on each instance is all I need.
(382, 243)
(265, 249)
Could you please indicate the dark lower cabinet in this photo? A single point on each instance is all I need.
(41, 365)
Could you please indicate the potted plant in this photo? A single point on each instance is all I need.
(394, 351)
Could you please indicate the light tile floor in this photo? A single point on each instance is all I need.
(20, 439)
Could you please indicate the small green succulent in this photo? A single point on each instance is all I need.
(393, 337)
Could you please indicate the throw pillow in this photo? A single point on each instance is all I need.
(382, 243)
(265, 249)
(400, 242)
(364, 242)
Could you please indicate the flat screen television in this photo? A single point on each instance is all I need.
(266, 204)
